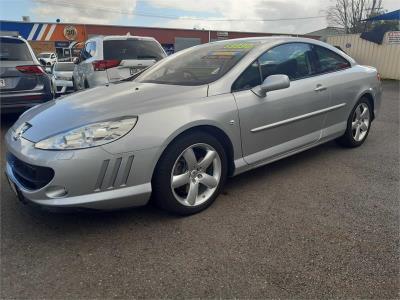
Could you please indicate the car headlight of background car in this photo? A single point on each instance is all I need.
(89, 135)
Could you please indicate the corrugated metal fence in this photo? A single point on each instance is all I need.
(385, 57)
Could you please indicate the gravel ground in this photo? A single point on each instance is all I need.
(320, 224)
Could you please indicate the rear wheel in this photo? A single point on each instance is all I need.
(190, 174)
(358, 124)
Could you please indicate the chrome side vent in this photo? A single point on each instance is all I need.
(102, 174)
(127, 170)
(114, 173)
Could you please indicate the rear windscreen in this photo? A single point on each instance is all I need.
(64, 67)
(132, 49)
(14, 49)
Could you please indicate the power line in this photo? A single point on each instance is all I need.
(148, 15)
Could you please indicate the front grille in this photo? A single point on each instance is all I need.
(29, 176)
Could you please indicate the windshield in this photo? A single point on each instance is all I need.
(132, 49)
(44, 55)
(14, 50)
(200, 65)
(64, 67)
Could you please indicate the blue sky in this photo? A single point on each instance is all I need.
(14, 9)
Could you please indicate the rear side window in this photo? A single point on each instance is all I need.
(329, 61)
(132, 49)
(14, 50)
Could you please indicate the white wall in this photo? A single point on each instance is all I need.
(384, 57)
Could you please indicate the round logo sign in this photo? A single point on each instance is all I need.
(70, 32)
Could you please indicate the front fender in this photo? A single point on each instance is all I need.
(157, 129)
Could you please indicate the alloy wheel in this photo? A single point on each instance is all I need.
(361, 122)
(196, 174)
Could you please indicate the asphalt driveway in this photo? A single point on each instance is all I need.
(321, 224)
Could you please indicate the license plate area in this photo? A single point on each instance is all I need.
(2, 83)
(133, 71)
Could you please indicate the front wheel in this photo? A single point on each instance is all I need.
(358, 124)
(190, 174)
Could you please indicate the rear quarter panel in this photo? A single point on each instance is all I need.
(348, 86)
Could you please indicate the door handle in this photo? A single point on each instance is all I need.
(320, 88)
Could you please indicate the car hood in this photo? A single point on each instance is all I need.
(103, 103)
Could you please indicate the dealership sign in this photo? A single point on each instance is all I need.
(70, 32)
(61, 44)
(394, 37)
(45, 31)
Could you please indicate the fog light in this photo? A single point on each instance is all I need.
(56, 192)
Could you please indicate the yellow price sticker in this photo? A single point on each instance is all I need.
(239, 46)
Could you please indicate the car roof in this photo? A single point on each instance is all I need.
(122, 37)
(267, 39)
(13, 37)
(281, 39)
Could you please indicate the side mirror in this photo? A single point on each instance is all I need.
(273, 83)
(76, 60)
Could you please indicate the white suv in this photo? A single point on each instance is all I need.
(47, 58)
(106, 59)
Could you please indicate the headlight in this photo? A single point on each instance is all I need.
(90, 135)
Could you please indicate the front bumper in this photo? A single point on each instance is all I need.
(88, 178)
(63, 86)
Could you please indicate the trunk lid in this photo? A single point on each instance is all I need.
(63, 75)
(128, 67)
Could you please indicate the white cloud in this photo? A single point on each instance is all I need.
(76, 11)
(109, 12)
(254, 9)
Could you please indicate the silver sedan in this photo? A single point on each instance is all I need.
(179, 129)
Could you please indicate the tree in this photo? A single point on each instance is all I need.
(349, 14)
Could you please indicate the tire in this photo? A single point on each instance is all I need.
(74, 86)
(359, 121)
(202, 179)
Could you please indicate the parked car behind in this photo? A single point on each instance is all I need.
(47, 58)
(112, 58)
(23, 82)
(62, 77)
